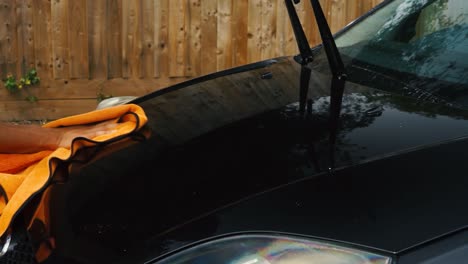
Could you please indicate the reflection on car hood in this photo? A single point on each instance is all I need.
(227, 137)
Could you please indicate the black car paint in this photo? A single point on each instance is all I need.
(183, 186)
(265, 168)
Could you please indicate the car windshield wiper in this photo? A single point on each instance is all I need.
(333, 55)
(306, 56)
(334, 60)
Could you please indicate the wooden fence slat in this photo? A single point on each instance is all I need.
(375, 3)
(194, 17)
(78, 39)
(125, 44)
(131, 45)
(224, 42)
(254, 30)
(268, 29)
(97, 16)
(239, 32)
(8, 38)
(148, 44)
(281, 28)
(284, 34)
(42, 39)
(352, 9)
(60, 39)
(310, 26)
(188, 71)
(114, 38)
(287, 39)
(177, 38)
(161, 36)
(337, 17)
(366, 5)
(209, 36)
(25, 31)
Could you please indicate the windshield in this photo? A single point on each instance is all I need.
(415, 47)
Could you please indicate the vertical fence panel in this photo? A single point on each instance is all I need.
(42, 38)
(131, 45)
(367, 4)
(337, 15)
(8, 38)
(125, 42)
(148, 47)
(97, 16)
(284, 34)
(78, 39)
(177, 38)
(114, 38)
(224, 47)
(209, 36)
(60, 39)
(187, 40)
(25, 32)
(310, 25)
(161, 60)
(268, 35)
(353, 9)
(255, 30)
(239, 32)
(305, 13)
(194, 16)
(375, 3)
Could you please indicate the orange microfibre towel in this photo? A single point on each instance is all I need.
(24, 175)
(14, 163)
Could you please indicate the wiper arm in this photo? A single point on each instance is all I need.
(334, 60)
(338, 79)
(301, 39)
(333, 55)
(305, 54)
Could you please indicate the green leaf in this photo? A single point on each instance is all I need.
(32, 98)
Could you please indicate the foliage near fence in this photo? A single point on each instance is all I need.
(82, 48)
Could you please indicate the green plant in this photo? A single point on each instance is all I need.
(100, 95)
(13, 85)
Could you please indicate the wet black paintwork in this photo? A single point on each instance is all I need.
(154, 197)
(399, 179)
(406, 203)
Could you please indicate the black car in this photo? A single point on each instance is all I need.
(355, 154)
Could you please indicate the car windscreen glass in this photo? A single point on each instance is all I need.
(418, 48)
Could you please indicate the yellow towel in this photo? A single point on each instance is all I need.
(24, 176)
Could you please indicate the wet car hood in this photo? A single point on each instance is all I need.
(220, 142)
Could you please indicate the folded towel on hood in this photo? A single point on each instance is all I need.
(22, 176)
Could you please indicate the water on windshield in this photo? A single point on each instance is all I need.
(416, 47)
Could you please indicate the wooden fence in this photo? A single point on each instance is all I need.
(86, 48)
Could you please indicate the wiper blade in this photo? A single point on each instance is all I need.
(338, 79)
(306, 54)
(301, 39)
(336, 66)
(333, 55)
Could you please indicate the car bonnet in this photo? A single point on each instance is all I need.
(229, 136)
